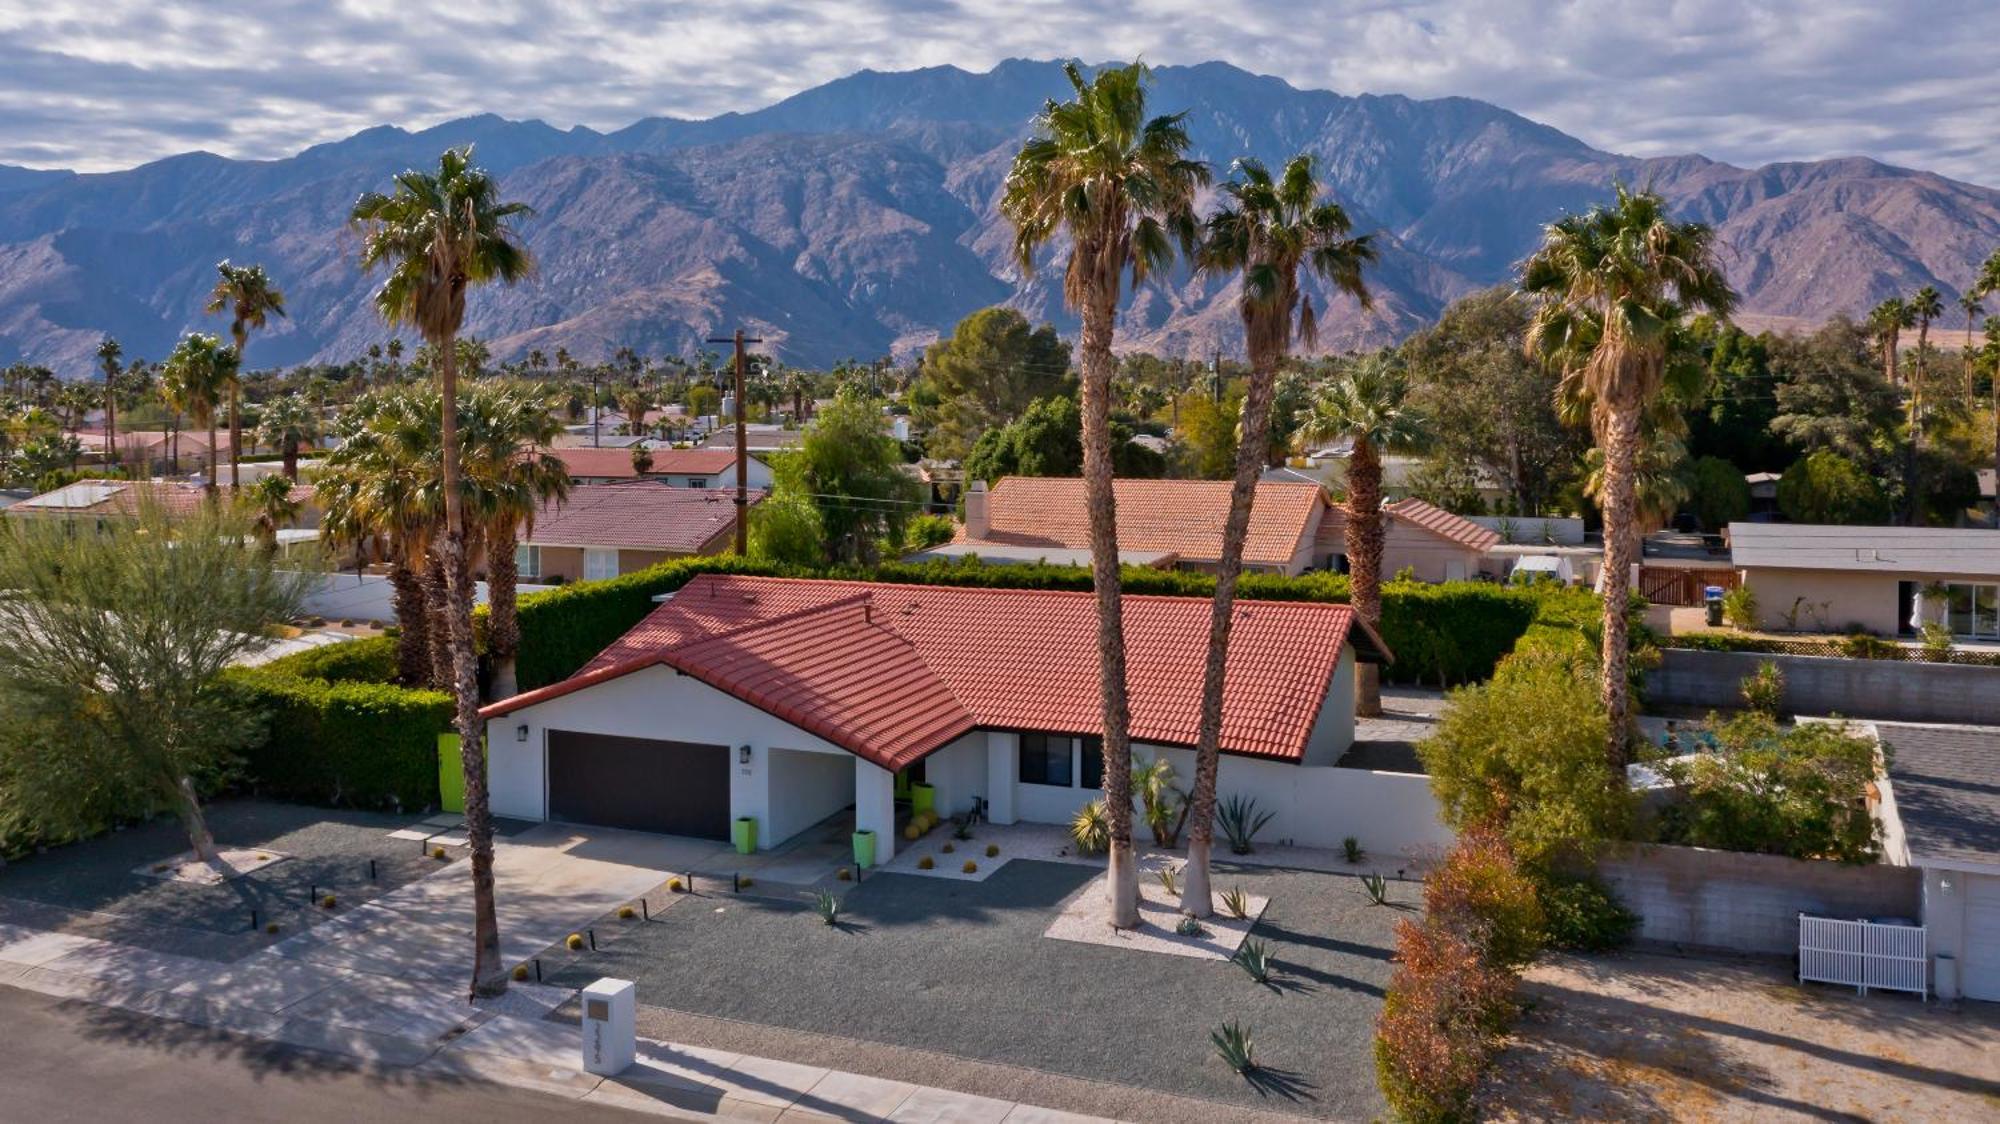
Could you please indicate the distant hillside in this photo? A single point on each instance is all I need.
(858, 218)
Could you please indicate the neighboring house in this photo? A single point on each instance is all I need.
(681, 468)
(604, 530)
(1401, 473)
(1942, 815)
(1830, 578)
(786, 701)
(157, 450)
(1178, 524)
(759, 437)
(121, 499)
(1763, 495)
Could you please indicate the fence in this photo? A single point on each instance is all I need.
(1863, 955)
(1690, 897)
(1673, 585)
(1891, 691)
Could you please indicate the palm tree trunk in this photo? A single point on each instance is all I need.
(1364, 563)
(1621, 450)
(437, 622)
(235, 436)
(214, 469)
(413, 641)
(488, 976)
(1197, 898)
(503, 621)
(1097, 363)
(291, 458)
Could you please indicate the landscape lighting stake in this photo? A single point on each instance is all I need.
(645, 911)
(593, 939)
(253, 920)
(538, 969)
(371, 870)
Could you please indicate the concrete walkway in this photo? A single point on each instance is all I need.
(384, 983)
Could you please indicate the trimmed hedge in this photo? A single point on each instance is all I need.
(1443, 634)
(342, 742)
(370, 660)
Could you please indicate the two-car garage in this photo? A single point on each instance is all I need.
(644, 784)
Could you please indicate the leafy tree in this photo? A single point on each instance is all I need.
(1208, 434)
(1612, 286)
(1717, 493)
(244, 292)
(110, 646)
(704, 401)
(786, 528)
(1825, 487)
(851, 474)
(1122, 188)
(1800, 791)
(1047, 440)
(199, 374)
(986, 372)
(1733, 421)
(1830, 395)
(439, 236)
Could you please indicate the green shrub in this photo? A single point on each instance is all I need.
(1764, 689)
(1800, 791)
(1739, 608)
(1090, 829)
(1480, 889)
(342, 742)
(1582, 915)
(369, 660)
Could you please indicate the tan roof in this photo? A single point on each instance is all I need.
(1181, 517)
(123, 497)
(639, 515)
(1444, 524)
(616, 464)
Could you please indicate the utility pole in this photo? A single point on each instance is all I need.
(742, 448)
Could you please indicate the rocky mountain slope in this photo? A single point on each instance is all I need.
(858, 218)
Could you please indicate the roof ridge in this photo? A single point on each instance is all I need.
(765, 622)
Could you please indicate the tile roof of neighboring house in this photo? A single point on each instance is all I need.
(892, 672)
(1946, 781)
(123, 497)
(617, 463)
(638, 515)
(1182, 517)
(1444, 524)
(1970, 551)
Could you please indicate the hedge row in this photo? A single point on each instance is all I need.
(1441, 634)
(370, 660)
(1855, 646)
(327, 742)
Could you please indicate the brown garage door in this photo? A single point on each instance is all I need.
(638, 783)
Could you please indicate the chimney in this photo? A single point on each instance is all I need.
(978, 521)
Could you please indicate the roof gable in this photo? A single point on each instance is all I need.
(637, 515)
(1180, 517)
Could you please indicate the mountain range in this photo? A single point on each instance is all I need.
(859, 218)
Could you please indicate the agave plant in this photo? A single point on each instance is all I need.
(1241, 821)
(1091, 829)
(1191, 927)
(1170, 880)
(827, 906)
(1255, 959)
(1233, 1046)
(1351, 847)
(1236, 903)
(1377, 888)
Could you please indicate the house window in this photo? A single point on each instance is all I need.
(528, 561)
(1092, 771)
(1967, 609)
(697, 481)
(599, 564)
(1045, 759)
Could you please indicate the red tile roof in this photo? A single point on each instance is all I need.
(1444, 524)
(638, 515)
(1181, 517)
(891, 672)
(616, 464)
(123, 497)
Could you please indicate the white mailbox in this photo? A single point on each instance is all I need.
(609, 1009)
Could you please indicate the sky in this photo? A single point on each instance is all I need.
(96, 85)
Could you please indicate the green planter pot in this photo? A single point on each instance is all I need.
(745, 835)
(864, 849)
(923, 798)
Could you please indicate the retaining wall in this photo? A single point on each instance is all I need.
(1749, 903)
(1890, 690)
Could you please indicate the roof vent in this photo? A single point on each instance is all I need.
(749, 598)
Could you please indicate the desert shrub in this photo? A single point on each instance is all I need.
(1582, 915)
(926, 863)
(970, 867)
(1764, 689)
(1800, 791)
(1090, 830)
(1481, 890)
(1862, 646)
(1739, 608)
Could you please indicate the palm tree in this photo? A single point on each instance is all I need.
(247, 295)
(1986, 285)
(108, 355)
(1968, 303)
(1266, 231)
(510, 477)
(271, 507)
(197, 377)
(1121, 187)
(1611, 286)
(1925, 305)
(288, 422)
(1886, 322)
(440, 235)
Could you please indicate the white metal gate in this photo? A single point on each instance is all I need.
(1863, 955)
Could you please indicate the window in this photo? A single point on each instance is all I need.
(599, 564)
(697, 481)
(1093, 763)
(1045, 760)
(1966, 609)
(528, 561)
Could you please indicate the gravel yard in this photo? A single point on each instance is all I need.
(1647, 1037)
(957, 969)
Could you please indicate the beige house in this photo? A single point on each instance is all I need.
(1886, 580)
(604, 530)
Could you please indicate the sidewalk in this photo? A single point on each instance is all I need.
(384, 983)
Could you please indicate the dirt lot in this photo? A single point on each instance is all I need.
(1655, 1037)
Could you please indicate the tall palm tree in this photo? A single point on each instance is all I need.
(108, 355)
(511, 475)
(439, 235)
(1986, 285)
(288, 422)
(1367, 405)
(1886, 322)
(1968, 303)
(1925, 305)
(1611, 285)
(197, 378)
(1121, 187)
(1267, 230)
(244, 292)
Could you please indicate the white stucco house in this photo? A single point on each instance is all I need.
(788, 701)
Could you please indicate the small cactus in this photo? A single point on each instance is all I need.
(271, 927)
(327, 902)
(993, 850)
(744, 883)
(674, 886)
(843, 875)
(970, 867)
(438, 853)
(627, 913)
(926, 863)
(947, 848)
(574, 941)
(520, 971)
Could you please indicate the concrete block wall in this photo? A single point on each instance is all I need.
(1889, 690)
(1749, 903)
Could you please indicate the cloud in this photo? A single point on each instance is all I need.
(109, 83)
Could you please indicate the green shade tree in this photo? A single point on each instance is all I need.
(1717, 493)
(850, 473)
(247, 295)
(1825, 487)
(991, 367)
(1047, 440)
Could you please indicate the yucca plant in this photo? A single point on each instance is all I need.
(1170, 880)
(1233, 1046)
(1377, 888)
(1236, 903)
(1091, 829)
(1351, 847)
(1255, 959)
(827, 906)
(1241, 821)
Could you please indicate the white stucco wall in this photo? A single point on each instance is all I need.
(1333, 731)
(803, 788)
(958, 773)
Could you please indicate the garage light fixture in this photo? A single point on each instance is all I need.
(521, 732)
(743, 755)
(1944, 883)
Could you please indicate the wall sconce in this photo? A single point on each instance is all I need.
(743, 755)
(1944, 883)
(521, 732)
